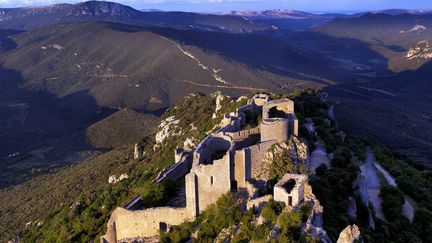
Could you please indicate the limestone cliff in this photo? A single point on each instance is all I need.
(351, 234)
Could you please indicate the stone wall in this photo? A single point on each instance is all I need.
(275, 129)
(126, 224)
(209, 146)
(257, 154)
(245, 138)
(285, 105)
(177, 170)
(260, 99)
(210, 182)
(293, 197)
(248, 163)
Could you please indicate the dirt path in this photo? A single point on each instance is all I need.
(407, 208)
(370, 169)
(373, 184)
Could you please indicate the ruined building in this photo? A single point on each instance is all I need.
(227, 160)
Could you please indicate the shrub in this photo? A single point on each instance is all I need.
(290, 224)
(270, 211)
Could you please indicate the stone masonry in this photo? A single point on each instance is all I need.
(224, 161)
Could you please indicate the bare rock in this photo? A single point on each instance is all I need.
(351, 234)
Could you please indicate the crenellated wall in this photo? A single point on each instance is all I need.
(244, 138)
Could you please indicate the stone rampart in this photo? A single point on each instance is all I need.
(177, 170)
(275, 129)
(125, 224)
(211, 181)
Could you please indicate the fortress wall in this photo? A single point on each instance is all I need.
(260, 99)
(257, 154)
(274, 129)
(285, 105)
(209, 146)
(191, 189)
(212, 181)
(177, 170)
(240, 135)
(145, 223)
(245, 138)
(295, 128)
(293, 125)
(241, 162)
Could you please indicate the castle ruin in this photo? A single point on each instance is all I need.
(229, 159)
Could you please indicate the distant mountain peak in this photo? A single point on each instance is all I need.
(275, 14)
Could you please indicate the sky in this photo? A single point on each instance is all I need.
(346, 6)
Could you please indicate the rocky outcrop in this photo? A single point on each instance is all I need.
(351, 234)
(314, 224)
(113, 179)
(285, 154)
(167, 128)
(219, 99)
(421, 50)
(138, 151)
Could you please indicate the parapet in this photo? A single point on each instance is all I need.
(278, 109)
(260, 99)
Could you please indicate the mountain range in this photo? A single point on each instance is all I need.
(78, 64)
(81, 84)
(35, 17)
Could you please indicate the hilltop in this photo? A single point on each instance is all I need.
(91, 11)
(82, 215)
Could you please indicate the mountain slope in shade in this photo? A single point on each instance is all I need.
(392, 36)
(150, 73)
(36, 17)
(121, 128)
(59, 80)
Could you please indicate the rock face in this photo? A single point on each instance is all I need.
(295, 148)
(167, 128)
(138, 151)
(219, 99)
(112, 179)
(351, 234)
(421, 50)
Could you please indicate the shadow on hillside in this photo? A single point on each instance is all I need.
(41, 132)
(6, 43)
(395, 111)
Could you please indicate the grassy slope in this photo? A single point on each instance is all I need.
(93, 57)
(383, 33)
(121, 128)
(34, 199)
